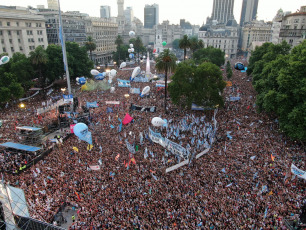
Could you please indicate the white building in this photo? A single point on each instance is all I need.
(53, 4)
(293, 27)
(224, 38)
(21, 31)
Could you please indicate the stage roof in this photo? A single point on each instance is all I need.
(20, 146)
(28, 128)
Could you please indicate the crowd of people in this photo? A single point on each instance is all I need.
(236, 185)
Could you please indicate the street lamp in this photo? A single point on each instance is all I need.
(22, 106)
(63, 90)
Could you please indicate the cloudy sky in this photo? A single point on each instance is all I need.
(194, 11)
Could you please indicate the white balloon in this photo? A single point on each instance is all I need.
(131, 33)
(113, 72)
(94, 72)
(132, 50)
(157, 121)
(131, 45)
(135, 72)
(112, 89)
(122, 65)
(5, 59)
(145, 91)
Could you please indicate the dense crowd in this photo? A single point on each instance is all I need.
(236, 185)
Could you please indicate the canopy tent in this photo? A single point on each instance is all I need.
(20, 146)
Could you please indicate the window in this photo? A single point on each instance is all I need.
(9, 32)
(12, 49)
(11, 41)
(0, 23)
(17, 23)
(29, 32)
(4, 50)
(20, 48)
(28, 24)
(0, 32)
(2, 41)
(8, 23)
(19, 41)
(18, 32)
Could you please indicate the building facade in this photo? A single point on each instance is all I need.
(105, 12)
(293, 27)
(224, 38)
(223, 10)
(151, 15)
(104, 33)
(129, 15)
(255, 31)
(53, 4)
(248, 11)
(21, 31)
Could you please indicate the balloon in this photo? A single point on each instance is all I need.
(4, 60)
(113, 72)
(122, 65)
(82, 80)
(100, 76)
(135, 72)
(145, 91)
(164, 43)
(131, 56)
(239, 66)
(112, 89)
(94, 72)
(131, 33)
(131, 45)
(157, 121)
(154, 51)
(129, 50)
(81, 131)
(144, 57)
(132, 50)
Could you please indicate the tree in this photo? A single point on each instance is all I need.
(39, 58)
(122, 52)
(229, 71)
(138, 46)
(184, 44)
(10, 88)
(118, 42)
(200, 84)
(166, 62)
(175, 44)
(214, 55)
(55, 67)
(90, 45)
(195, 44)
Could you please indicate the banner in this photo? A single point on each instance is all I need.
(92, 104)
(159, 85)
(112, 102)
(94, 167)
(234, 98)
(68, 98)
(71, 128)
(127, 119)
(135, 90)
(151, 109)
(177, 166)
(123, 83)
(156, 137)
(176, 149)
(199, 108)
(140, 79)
(129, 147)
(298, 172)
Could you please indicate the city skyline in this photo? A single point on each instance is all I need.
(195, 12)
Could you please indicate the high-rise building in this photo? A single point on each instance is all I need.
(120, 17)
(129, 15)
(105, 12)
(53, 4)
(151, 15)
(248, 11)
(222, 11)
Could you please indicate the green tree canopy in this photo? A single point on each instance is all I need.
(214, 55)
(39, 59)
(175, 44)
(90, 45)
(201, 84)
(184, 44)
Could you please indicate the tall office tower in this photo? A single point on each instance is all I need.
(248, 11)
(105, 11)
(223, 10)
(151, 15)
(129, 14)
(120, 17)
(53, 4)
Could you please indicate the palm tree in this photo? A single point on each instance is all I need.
(118, 42)
(38, 58)
(193, 44)
(166, 62)
(138, 45)
(184, 44)
(90, 45)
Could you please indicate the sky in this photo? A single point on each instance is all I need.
(194, 11)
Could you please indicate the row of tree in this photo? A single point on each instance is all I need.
(279, 77)
(44, 65)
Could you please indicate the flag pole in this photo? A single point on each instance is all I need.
(61, 36)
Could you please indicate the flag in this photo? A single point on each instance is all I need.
(117, 157)
(252, 158)
(94, 167)
(266, 211)
(272, 157)
(223, 170)
(89, 147)
(112, 126)
(133, 160)
(75, 149)
(79, 198)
